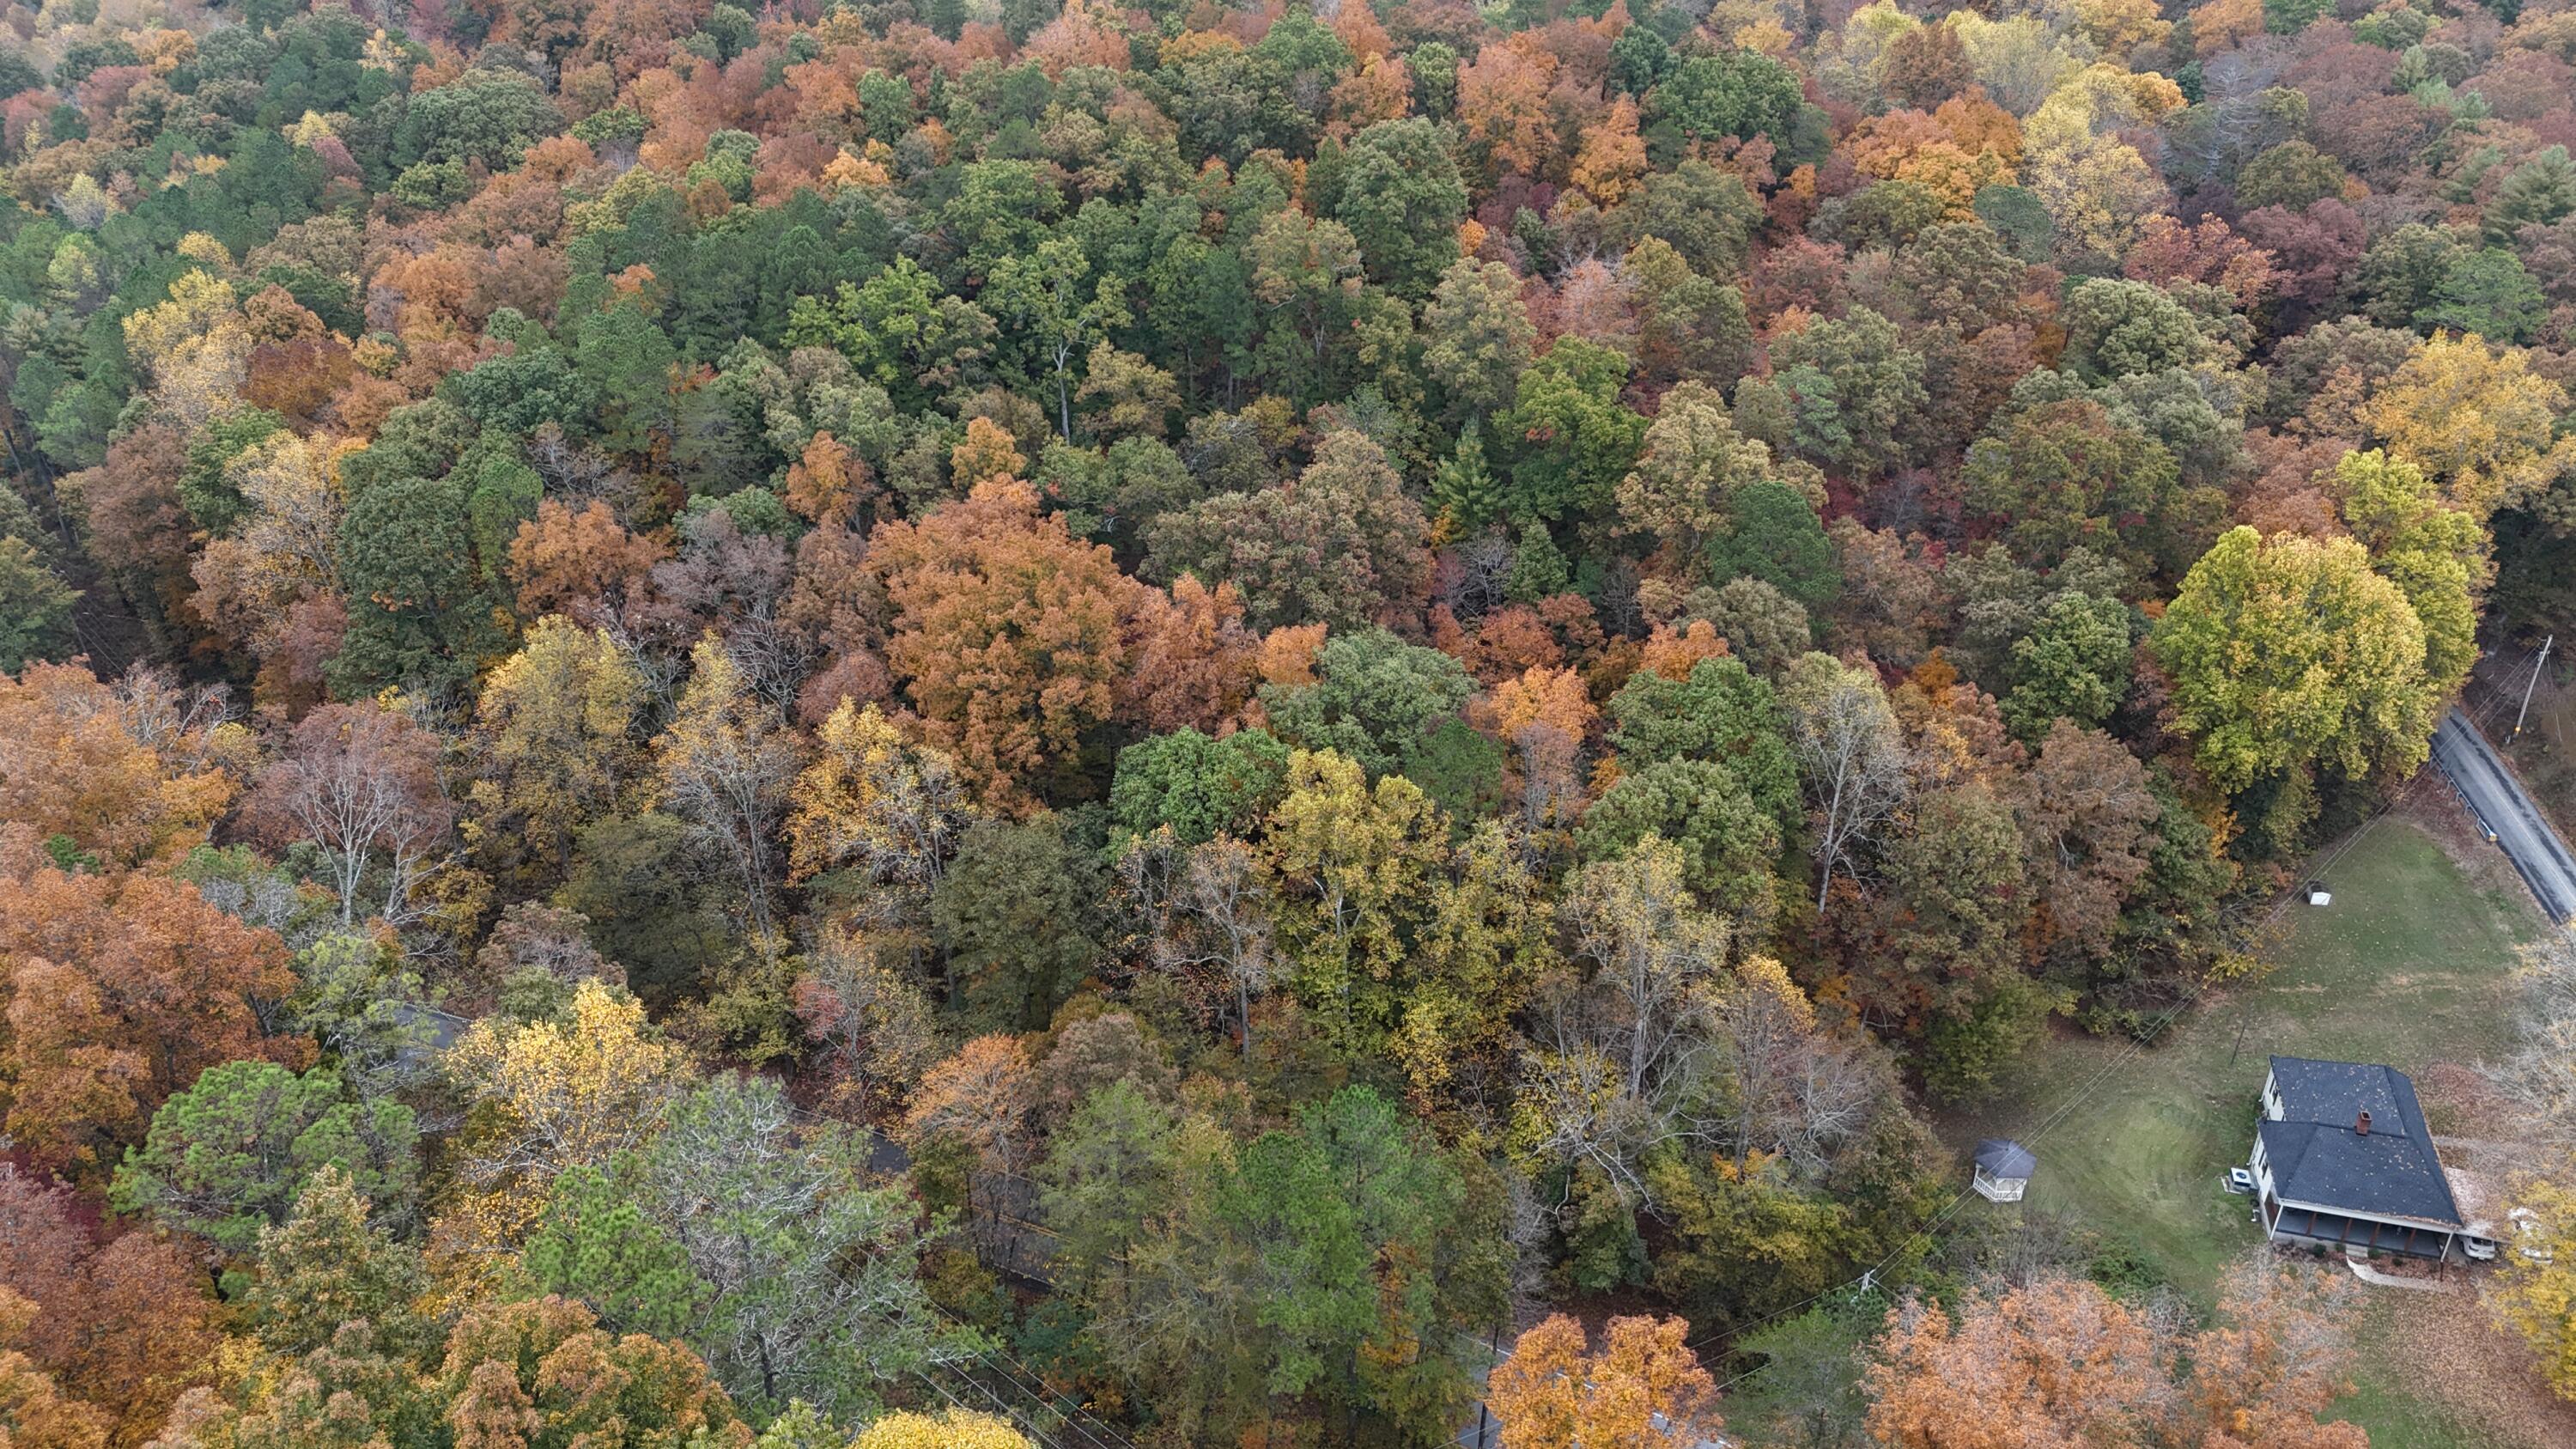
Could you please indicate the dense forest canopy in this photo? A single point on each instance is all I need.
(712, 718)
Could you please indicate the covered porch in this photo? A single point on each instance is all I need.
(2335, 1230)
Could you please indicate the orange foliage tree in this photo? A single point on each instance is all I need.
(582, 565)
(1644, 1389)
(117, 991)
(1008, 632)
(113, 772)
(2060, 1362)
(1195, 663)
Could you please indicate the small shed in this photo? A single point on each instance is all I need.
(2003, 1169)
(2318, 895)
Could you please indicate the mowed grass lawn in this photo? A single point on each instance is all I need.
(2409, 966)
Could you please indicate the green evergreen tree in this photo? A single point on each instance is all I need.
(228, 1158)
(326, 1266)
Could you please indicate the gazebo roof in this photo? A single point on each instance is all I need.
(2002, 1157)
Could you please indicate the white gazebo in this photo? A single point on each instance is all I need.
(2003, 1169)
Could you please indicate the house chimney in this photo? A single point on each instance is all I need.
(2361, 1127)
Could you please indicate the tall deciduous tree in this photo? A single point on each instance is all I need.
(2476, 419)
(1197, 786)
(1344, 546)
(1008, 632)
(872, 1027)
(543, 1370)
(1306, 276)
(1373, 699)
(875, 803)
(114, 1331)
(1215, 919)
(555, 1095)
(41, 1416)
(1476, 336)
(1573, 440)
(812, 1274)
(2287, 654)
(362, 782)
(110, 769)
(1622, 1052)
(1057, 310)
(2087, 813)
(2072, 665)
(1352, 862)
(2435, 555)
(2059, 1361)
(1643, 1388)
(118, 991)
(1721, 712)
(724, 766)
(557, 721)
(1702, 807)
(1689, 470)
(1193, 660)
(1850, 760)
(1402, 200)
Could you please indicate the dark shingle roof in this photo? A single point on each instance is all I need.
(2002, 1157)
(2317, 1157)
(2315, 1091)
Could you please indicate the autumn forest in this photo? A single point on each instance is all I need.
(1003, 723)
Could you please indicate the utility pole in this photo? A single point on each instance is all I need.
(2530, 685)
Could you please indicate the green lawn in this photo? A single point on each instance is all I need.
(2407, 967)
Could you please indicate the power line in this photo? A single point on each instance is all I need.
(1082, 1425)
(942, 1390)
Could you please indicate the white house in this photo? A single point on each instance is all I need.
(2342, 1158)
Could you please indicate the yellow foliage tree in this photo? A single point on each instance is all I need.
(556, 717)
(954, 1429)
(551, 1095)
(988, 453)
(1354, 862)
(2477, 419)
(875, 802)
(2095, 185)
(2436, 556)
(292, 486)
(2121, 26)
(2536, 1296)
(194, 346)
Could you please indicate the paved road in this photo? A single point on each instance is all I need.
(2497, 799)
